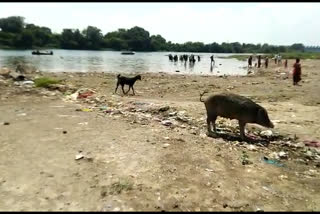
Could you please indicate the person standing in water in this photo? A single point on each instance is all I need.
(250, 62)
(259, 61)
(296, 72)
(212, 60)
(286, 63)
(266, 62)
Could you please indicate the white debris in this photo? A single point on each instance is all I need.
(79, 156)
(166, 122)
(166, 145)
(266, 133)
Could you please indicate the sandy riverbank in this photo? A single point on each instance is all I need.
(134, 162)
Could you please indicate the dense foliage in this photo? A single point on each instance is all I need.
(15, 33)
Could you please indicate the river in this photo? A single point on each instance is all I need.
(114, 62)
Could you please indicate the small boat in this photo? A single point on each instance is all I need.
(42, 53)
(128, 53)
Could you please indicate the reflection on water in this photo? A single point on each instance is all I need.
(114, 62)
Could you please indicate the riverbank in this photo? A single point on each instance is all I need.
(150, 151)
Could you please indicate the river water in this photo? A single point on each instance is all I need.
(114, 62)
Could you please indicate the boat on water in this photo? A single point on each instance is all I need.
(127, 52)
(37, 52)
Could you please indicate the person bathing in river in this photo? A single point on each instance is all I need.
(296, 72)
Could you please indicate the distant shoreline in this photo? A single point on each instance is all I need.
(239, 56)
(294, 55)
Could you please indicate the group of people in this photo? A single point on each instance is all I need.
(191, 58)
(278, 60)
(184, 57)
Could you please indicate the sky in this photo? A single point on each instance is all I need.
(272, 23)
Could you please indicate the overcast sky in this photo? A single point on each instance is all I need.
(273, 23)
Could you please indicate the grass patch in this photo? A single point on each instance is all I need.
(245, 159)
(121, 185)
(45, 82)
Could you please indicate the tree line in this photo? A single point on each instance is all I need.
(15, 33)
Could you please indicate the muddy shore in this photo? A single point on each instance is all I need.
(150, 152)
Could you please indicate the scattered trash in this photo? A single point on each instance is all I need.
(16, 76)
(252, 148)
(22, 114)
(182, 119)
(259, 210)
(103, 108)
(86, 110)
(85, 123)
(173, 113)
(282, 177)
(165, 108)
(273, 162)
(79, 156)
(166, 122)
(28, 82)
(166, 145)
(209, 170)
(266, 133)
(230, 87)
(283, 155)
(85, 94)
(309, 154)
(73, 96)
(312, 143)
(6, 123)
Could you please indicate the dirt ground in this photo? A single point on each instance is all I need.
(133, 161)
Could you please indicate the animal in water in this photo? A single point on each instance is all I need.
(234, 106)
(122, 80)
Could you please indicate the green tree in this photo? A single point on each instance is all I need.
(67, 39)
(26, 39)
(157, 43)
(12, 24)
(297, 47)
(93, 37)
(139, 39)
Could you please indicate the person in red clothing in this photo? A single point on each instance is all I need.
(296, 72)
